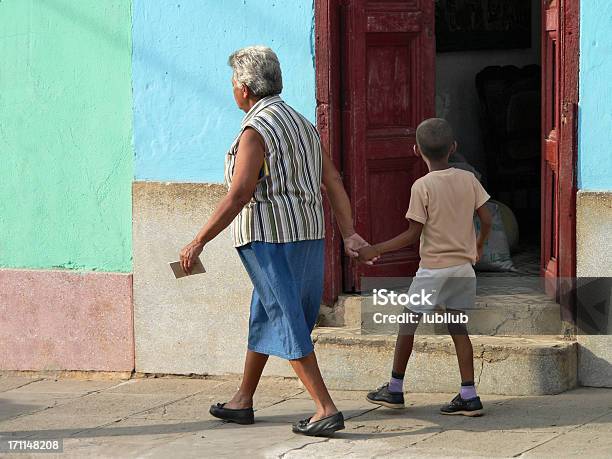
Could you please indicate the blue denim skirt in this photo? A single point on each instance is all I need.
(287, 288)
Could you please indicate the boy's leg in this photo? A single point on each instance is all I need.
(403, 350)
(465, 358)
(404, 344)
(391, 394)
(463, 347)
(467, 402)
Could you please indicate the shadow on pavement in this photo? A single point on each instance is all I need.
(570, 408)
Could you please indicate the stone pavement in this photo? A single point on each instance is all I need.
(168, 417)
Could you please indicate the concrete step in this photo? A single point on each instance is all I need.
(535, 365)
(494, 314)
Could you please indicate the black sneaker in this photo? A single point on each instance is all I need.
(469, 407)
(382, 396)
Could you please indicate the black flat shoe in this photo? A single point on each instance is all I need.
(321, 428)
(239, 416)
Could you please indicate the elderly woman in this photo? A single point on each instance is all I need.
(275, 169)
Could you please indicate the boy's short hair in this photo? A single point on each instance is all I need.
(435, 137)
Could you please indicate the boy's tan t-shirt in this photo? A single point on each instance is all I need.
(444, 202)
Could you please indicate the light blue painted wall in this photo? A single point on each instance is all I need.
(185, 116)
(595, 119)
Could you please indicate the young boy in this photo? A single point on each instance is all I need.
(440, 213)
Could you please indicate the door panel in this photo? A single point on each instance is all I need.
(387, 89)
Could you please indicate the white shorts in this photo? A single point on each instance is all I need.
(453, 288)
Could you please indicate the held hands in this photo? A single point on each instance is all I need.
(354, 244)
(369, 254)
(189, 254)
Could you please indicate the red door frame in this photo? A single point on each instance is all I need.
(327, 63)
(551, 91)
(569, 48)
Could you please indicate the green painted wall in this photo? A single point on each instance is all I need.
(66, 156)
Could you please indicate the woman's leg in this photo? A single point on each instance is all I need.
(254, 364)
(307, 369)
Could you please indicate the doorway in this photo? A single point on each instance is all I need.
(488, 86)
(378, 76)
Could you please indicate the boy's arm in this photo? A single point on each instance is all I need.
(485, 228)
(408, 237)
(416, 215)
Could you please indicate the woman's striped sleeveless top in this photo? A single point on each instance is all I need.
(287, 203)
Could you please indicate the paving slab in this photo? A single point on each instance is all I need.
(542, 413)
(381, 446)
(592, 439)
(165, 386)
(196, 406)
(81, 413)
(457, 443)
(294, 409)
(132, 437)
(114, 405)
(65, 386)
(591, 445)
(13, 382)
(14, 404)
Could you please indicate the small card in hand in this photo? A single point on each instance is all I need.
(197, 268)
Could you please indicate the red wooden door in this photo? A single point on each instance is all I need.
(550, 144)
(387, 87)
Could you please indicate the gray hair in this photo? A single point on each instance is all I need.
(258, 68)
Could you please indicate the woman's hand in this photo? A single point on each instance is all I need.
(353, 243)
(188, 255)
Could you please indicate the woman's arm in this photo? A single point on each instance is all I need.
(341, 207)
(249, 159)
(338, 199)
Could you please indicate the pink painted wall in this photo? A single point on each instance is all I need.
(65, 320)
